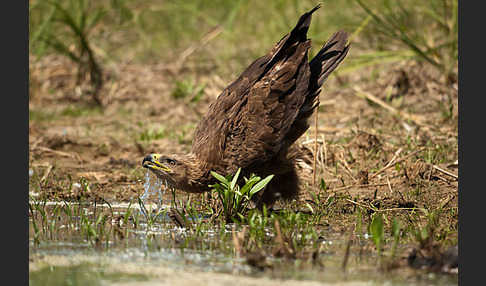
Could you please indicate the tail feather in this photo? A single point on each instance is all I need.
(328, 58)
(297, 35)
(322, 65)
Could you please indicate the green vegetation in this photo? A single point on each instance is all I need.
(153, 134)
(80, 274)
(377, 231)
(425, 30)
(39, 115)
(186, 89)
(77, 111)
(394, 30)
(235, 199)
(66, 29)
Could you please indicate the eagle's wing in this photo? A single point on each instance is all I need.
(248, 123)
(327, 59)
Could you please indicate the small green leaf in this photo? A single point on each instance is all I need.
(220, 178)
(424, 234)
(323, 185)
(235, 179)
(99, 219)
(249, 183)
(260, 185)
(309, 207)
(395, 228)
(376, 229)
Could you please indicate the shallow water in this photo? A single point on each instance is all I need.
(140, 245)
(64, 254)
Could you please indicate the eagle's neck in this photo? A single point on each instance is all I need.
(197, 177)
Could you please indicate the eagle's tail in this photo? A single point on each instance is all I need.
(328, 58)
(326, 61)
(321, 66)
(297, 36)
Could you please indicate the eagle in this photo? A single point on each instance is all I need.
(255, 121)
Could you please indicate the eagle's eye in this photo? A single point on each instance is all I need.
(171, 162)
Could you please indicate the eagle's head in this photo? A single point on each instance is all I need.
(176, 171)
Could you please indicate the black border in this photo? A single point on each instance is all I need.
(15, 140)
(471, 143)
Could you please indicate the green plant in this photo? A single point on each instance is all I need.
(151, 215)
(425, 236)
(77, 111)
(447, 108)
(376, 230)
(296, 228)
(153, 134)
(234, 198)
(67, 30)
(396, 228)
(186, 89)
(34, 207)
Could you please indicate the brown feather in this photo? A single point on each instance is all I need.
(255, 120)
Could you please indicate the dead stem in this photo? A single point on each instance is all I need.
(46, 173)
(191, 49)
(357, 186)
(64, 154)
(382, 210)
(392, 162)
(445, 172)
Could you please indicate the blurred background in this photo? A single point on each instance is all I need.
(225, 36)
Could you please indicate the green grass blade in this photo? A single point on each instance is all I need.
(235, 179)
(376, 230)
(247, 187)
(220, 178)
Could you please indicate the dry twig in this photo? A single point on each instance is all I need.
(60, 153)
(382, 210)
(356, 186)
(46, 173)
(190, 50)
(445, 172)
(393, 162)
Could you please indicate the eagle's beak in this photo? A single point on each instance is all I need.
(151, 161)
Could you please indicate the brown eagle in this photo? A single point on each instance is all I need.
(255, 120)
